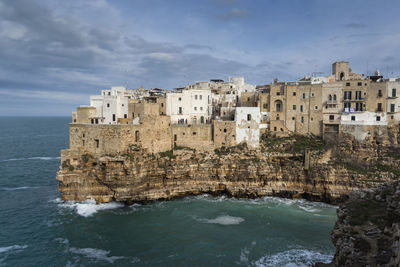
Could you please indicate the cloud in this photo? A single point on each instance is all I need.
(63, 97)
(235, 13)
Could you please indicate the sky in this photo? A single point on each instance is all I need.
(54, 54)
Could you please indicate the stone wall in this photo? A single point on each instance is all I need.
(197, 136)
(153, 135)
(224, 133)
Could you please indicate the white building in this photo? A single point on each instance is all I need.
(247, 121)
(364, 118)
(190, 105)
(111, 105)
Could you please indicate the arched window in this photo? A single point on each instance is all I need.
(278, 105)
(334, 97)
(330, 97)
(342, 76)
(249, 117)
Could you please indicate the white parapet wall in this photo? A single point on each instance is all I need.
(364, 118)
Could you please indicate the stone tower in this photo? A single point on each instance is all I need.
(341, 70)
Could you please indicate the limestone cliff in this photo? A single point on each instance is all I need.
(367, 232)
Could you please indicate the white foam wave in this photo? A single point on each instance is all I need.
(223, 220)
(17, 188)
(89, 207)
(294, 257)
(309, 209)
(12, 248)
(32, 158)
(96, 254)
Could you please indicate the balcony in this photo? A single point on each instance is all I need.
(331, 102)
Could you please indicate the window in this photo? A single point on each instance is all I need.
(180, 110)
(316, 107)
(278, 107)
(249, 117)
(195, 97)
(347, 95)
(331, 117)
(392, 107)
(358, 95)
(162, 104)
(359, 83)
(302, 119)
(274, 129)
(347, 105)
(194, 133)
(180, 98)
(137, 136)
(125, 116)
(225, 130)
(301, 108)
(378, 118)
(277, 117)
(312, 94)
(294, 93)
(109, 93)
(97, 121)
(347, 84)
(294, 107)
(97, 142)
(248, 99)
(379, 93)
(113, 117)
(195, 108)
(353, 118)
(108, 105)
(334, 97)
(330, 97)
(92, 121)
(201, 108)
(304, 95)
(293, 118)
(264, 105)
(83, 135)
(201, 97)
(278, 93)
(133, 114)
(122, 104)
(394, 92)
(379, 109)
(359, 107)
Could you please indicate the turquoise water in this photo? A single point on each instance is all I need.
(37, 229)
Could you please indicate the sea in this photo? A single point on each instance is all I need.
(37, 228)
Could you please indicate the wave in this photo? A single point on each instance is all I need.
(88, 207)
(32, 158)
(96, 254)
(11, 248)
(223, 220)
(294, 257)
(17, 188)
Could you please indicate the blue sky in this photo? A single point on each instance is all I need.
(54, 54)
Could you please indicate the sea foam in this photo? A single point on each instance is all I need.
(88, 207)
(12, 248)
(32, 158)
(96, 254)
(223, 220)
(17, 188)
(294, 258)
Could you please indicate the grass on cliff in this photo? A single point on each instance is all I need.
(294, 143)
(169, 154)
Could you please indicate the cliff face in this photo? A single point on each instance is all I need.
(279, 168)
(367, 232)
(241, 173)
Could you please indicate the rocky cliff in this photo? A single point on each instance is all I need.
(279, 168)
(367, 232)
